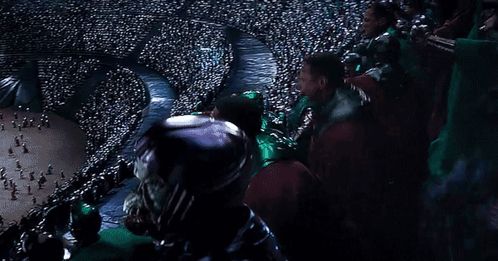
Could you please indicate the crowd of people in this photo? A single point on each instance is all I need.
(102, 32)
(290, 29)
(122, 91)
(153, 7)
(61, 77)
(141, 33)
(368, 145)
(10, 66)
(368, 153)
(339, 176)
(71, 40)
(195, 57)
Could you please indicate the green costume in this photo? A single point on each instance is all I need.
(284, 136)
(272, 143)
(471, 130)
(117, 244)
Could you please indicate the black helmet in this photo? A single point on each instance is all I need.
(187, 165)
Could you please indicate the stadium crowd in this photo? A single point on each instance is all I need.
(353, 170)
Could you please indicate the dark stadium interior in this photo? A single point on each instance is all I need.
(375, 133)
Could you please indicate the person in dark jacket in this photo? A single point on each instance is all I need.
(194, 171)
(343, 158)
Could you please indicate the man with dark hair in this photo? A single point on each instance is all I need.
(322, 80)
(377, 19)
(241, 111)
(415, 7)
(342, 157)
(379, 47)
(246, 114)
(326, 69)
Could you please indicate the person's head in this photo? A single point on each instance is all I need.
(190, 168)
(352, 64)
(377, 19)
(320, 76)
(85, 223)
(257, 97)
(414, 7)
(244, 112)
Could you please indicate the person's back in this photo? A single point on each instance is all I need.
(277, 188)
(279, 195)
(345, 158)
(342, 157)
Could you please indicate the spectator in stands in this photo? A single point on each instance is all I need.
(286, 135)
(378, 22)
(246, 114)
(399, 107)
(343, 158)
(414, 7)
(241, 111)
(299, 126)
(194, 171)
(377, 19)
(459, 22)
(277, 192)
